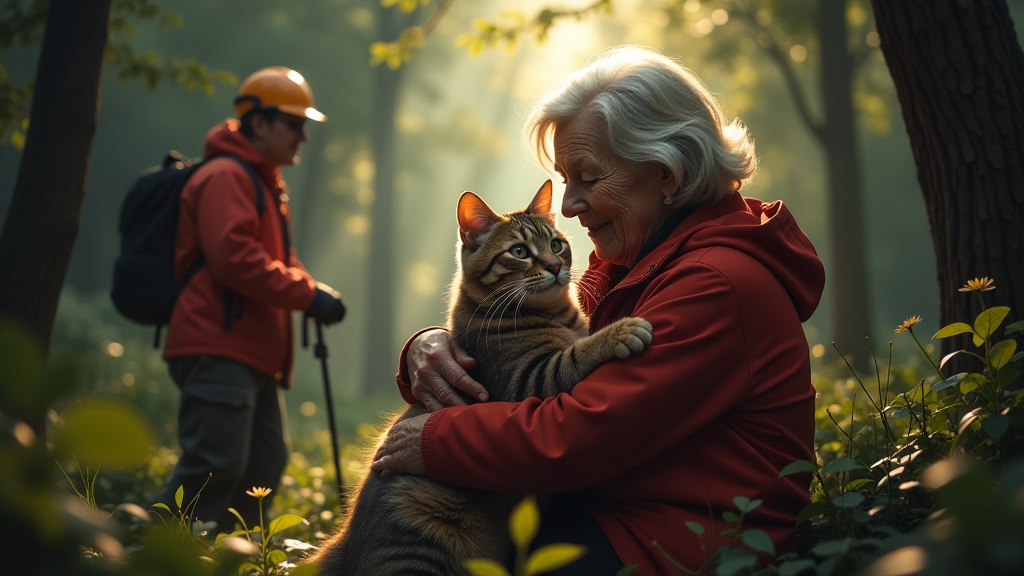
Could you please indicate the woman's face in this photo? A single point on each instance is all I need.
(619, 207)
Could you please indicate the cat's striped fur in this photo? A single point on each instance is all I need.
(511, 310)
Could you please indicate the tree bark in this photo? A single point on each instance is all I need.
(379, 368)
(849, 271)
(43, 218)
(959, 75)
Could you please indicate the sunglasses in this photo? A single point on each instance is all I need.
(293, 123)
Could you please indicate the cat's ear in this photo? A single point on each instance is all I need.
(541, 204)
(475, 217)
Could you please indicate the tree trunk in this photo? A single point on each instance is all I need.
(42, 221)
(959, 75)
(381, 357)
(849, 276)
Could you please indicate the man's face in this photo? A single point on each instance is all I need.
(279, 139)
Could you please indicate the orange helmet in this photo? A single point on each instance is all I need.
(277, 88)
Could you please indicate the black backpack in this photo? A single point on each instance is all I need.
(144, 288)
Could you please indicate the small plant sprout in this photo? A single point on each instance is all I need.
(269, 559)
(523, 523)
(184, 522)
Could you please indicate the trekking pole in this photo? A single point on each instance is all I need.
(320, 351)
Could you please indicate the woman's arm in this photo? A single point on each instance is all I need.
(694, 372)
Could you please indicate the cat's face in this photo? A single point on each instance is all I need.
(516, 258)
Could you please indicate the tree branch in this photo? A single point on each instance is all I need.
(788, 74)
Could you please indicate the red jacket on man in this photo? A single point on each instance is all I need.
(245, 253)
(712, 409)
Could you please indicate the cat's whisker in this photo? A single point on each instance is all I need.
(588, 290)
(508, 302)
(516, 286)
(493, 294)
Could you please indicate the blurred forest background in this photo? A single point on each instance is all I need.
(457, 128)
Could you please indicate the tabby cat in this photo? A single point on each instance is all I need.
(512, 311)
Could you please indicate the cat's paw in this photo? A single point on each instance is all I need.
(630, 336)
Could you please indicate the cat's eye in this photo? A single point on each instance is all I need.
(519, 251)
(556, 246)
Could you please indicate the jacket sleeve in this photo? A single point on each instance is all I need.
(229, 237)
(622, 414)
(403, 378)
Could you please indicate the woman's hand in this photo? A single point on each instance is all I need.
(401, 450)
(437, 371)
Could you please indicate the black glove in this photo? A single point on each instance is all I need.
(327, 307)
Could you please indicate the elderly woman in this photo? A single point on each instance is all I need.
(720, 401)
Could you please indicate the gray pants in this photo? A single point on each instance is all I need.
(232, 431)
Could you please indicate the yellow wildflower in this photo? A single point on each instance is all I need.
(259, 492)
(908, 324)
(979, 285)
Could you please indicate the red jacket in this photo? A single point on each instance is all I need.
(245, 252)
(714, 408)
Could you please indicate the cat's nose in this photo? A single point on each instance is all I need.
(553, 268)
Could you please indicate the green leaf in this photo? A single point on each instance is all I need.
(854, 484)
(995, 426)
(735, 561)
(948, 357)
(552, 557)
(629, 570)
(524, 522)
(283, 522)
(1017, 326)
(797, 467)
(989, 320)
(484, 567)
(952, 330)
(304, 570)
(1007, 374)
(848, 500)
(1001, 353)
(951, 381)
(841, 465)
(179, 494)
(796, 567)
(107, 431)
(248, 567)
(758, 540)
(746, 505)
(730, 516)
(832, 547)
(160, 505)
(812, 510)
(971, 382)
(695, 527)
(276, 557)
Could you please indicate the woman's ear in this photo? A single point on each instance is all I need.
(475, 217)
(670, 183)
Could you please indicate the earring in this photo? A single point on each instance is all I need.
(668, 199)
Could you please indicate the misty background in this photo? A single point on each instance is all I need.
(457, 127)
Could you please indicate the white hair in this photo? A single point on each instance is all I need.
(654, 111)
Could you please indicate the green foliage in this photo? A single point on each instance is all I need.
(21, 26)
(266, 560)
(916, 468)
(523, 523)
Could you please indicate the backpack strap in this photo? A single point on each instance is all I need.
(232, 309)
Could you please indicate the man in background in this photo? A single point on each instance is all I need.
(229, 342)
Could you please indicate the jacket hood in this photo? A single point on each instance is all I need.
(765, 231)
(226, 138)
